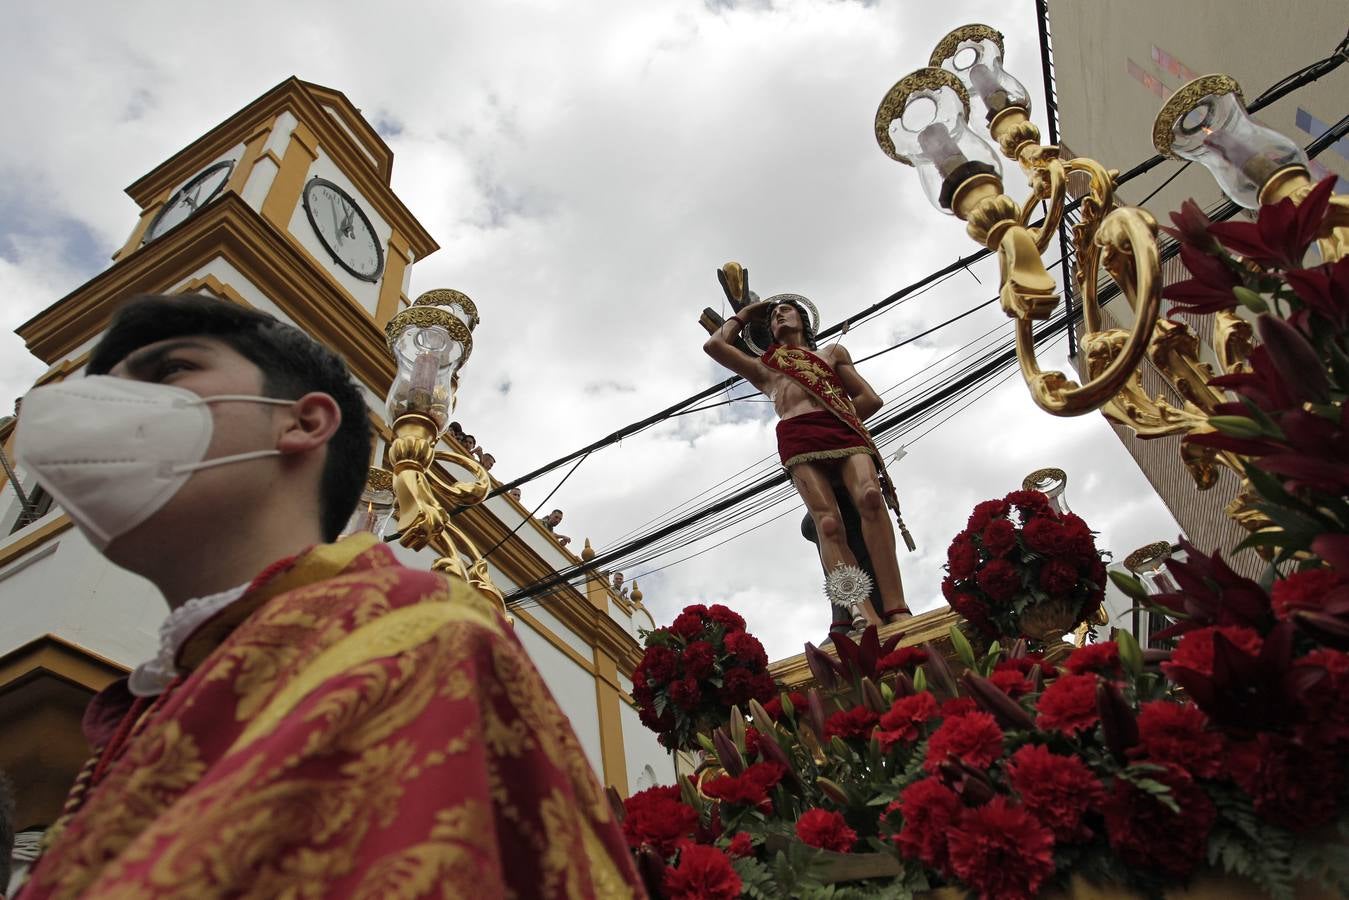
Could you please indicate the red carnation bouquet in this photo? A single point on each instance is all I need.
(694, 671)
(1020, 568)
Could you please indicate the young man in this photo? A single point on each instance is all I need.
(320, 720)
(821, 402)
(551, 521)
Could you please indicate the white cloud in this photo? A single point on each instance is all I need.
(585, 167)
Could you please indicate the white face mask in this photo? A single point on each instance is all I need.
(112, 451)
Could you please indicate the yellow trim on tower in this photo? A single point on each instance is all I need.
(138, 233)
(391, 288)
(608, 704)
(286, 188)
(62, 658)
(11, 552)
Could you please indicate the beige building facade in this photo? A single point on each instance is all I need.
(1114, 66)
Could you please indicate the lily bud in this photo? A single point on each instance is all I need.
(938, 672)
(1119, 726)
(906, 686)
(821, 667)
(762, 720)
(832, 790)
(737, 728)
(872, 697)
(1250, 299)
(727, 753)
(651, 866)
(1236, 426)
(1295, 359)
(994, 700)
(817, 716)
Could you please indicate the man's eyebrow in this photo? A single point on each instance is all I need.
(145, 359)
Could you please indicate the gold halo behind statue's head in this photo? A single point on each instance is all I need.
(797, 300)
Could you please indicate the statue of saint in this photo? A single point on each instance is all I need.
(821, 402)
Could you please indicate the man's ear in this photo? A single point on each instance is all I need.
(313, 421)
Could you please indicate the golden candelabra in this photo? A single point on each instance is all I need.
(431, 340)
(923, 122)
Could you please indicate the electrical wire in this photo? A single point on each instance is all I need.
(1309, 73)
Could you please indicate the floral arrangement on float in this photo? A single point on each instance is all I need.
(694, 671)
(1209, 770)
(1020, 568)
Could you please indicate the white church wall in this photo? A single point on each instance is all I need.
(572, 686)
(642, 749)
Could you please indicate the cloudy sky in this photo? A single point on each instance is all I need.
(586, 167)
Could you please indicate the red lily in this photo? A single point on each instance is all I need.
(1192, 225)
(1210, 290)
(1212, 594)
(1324, 290)
(1280, 235)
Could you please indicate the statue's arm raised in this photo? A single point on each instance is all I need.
(864, 396)
(721, 347)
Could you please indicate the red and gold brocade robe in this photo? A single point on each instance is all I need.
(350, 727)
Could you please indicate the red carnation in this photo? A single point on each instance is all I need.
(685, 693)
(745, 646)
(657, 816)
(1001, 851)
(740, 846)
(753, 738)
(659, 665)
(984, 513)
(1058, 790)
(962, 557)
(1327, 701)
(1303, 590)
(999, 537)
(738, 687)
(1100, 658)
(726, 616)
(703, 873)
(698, 658)
(1146, 833)
(1177, 733)
(750, 787)
(1195, 650)
(773, 706)
(904, 721)
(974, 738)
(1012, 682)
(688, 625)
(999, 579)
(826, 830)
(1058, 577)
(1293, 786)
(929, 809)
(857, 722)
(1069, 704)
(1028, 503)
(1045, 535)
(1023, 664)
(903, 658)
(958, 706)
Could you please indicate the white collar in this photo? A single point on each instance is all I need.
(150, 678)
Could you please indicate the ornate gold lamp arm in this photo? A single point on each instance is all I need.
(431, 340)
(962, 176)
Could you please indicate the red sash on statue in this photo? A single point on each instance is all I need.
(823, 383)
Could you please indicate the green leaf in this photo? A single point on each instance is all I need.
(1236, 426)
(1130, 654)
(706, 743)
(962, 647)
(1250, 299)
(1131, 586)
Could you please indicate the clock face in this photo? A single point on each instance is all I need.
(189, 198)
(344, 229)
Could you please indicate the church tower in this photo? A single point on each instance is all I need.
(285, 207)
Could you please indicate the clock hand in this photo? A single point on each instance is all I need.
(337, 229)
(347, 228)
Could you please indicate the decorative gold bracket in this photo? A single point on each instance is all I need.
(424, 492)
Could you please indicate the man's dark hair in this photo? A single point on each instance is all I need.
(6, 830)
(292, 364)
(807, 333)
